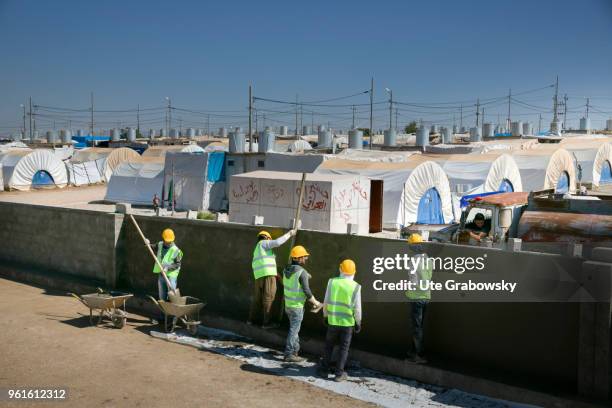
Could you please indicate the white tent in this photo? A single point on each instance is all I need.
(136, 182)
(545, 168)
(21, 167)
(161, 151)
(186, 175)
(415, 191)
(1, 179)
(116, 157)
(603, 158)
(85, 173)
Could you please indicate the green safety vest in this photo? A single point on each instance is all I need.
(294, 295)
(423, 274)
(264, 262)
(168, 258)
(341, 305)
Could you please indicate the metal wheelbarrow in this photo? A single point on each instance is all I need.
(183, 308)
(107, 304)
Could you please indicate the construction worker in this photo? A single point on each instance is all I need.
(296, 292)
(265, 274)
(342, 309)
(419, 297)
(170, 257)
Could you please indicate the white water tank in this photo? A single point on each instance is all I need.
(516, 128)
(191, 133)
(585, 123)
(66, 135)
(447, 136)
(51, 136)
(609, 124)
(527, 128)
(174, 134)
(487, 130)
(422, 136)
(115, 135)
(390, 137)
(324, 138)
(283, 130)
(306, 130)
(266, 141)
(236, 142)
(151, 133)
(223, 132)
(475, 134)
(355, 139)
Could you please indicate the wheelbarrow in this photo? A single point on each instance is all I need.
(181, 308)
(106, 304)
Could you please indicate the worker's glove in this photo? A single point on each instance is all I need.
(357, 328)
(314, 302)
(293, 232)
(147, 242)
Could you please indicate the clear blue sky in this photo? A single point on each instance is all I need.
(204, 55)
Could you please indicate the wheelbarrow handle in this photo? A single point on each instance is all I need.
(80, 299)
(154, 300)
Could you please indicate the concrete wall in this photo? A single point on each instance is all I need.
(75, 242)
(535, 342)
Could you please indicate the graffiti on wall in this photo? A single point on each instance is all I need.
(249, 192)
(274, 193)
(315, 198)
(350, 197)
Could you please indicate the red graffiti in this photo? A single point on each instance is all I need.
(362, 193)
(249, 191)
(276, 193)
(314, 198)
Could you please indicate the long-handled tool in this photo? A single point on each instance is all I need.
(296, 220)
(159, 265)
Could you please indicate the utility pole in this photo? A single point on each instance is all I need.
(587, 108)
(208, 126)
(461, 117)
(91, 126)
(169, 115)
(353, 117)
(371, 113)
(264, 121)
(296, 116)
(556, 101)
(250, 118)
(31, 133)
(396, 114)
(390, 109)
(138, 120)
(301, 118)
(312, 122)
(564, 110)
(24, 121)
(540, 123)
(483, 116)
(508, 122)
(477, 112)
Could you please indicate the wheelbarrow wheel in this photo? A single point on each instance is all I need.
(118, 321)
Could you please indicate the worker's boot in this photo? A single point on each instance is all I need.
(322, 372)
(341, 377)
(294, 358)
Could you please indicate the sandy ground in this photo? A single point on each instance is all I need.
(47, 341)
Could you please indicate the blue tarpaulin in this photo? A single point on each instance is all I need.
(503, 134)
(464, 200)
(563, 183)
(606, 173)
(41, 179)
(430, 208)
(506, 186)
(216, 167)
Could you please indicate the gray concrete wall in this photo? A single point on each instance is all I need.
(75, 242)
(532, 341)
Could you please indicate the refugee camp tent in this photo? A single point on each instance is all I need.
(299, 146)
(161, 151)
(116, 157)
(24, 169)
(602, 165)
(547, 167)
(195, 181)
(330, 202)
(136, 182)
(414, 191)
(1, 179)
(84, 173)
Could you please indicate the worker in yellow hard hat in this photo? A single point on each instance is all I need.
(419, 296)
(265, 274)
(296, 293)
(342, 311)
(170, 257)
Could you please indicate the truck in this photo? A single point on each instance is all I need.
(544, 221)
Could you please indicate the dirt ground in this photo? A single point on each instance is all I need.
(47, 342)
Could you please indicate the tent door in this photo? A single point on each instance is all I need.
(376, 205)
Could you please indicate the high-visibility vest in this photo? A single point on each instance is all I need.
(168, 258)
(293, 292)
(420, 279)
(264, 262)
(341, 305)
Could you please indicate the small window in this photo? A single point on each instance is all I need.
(260, 163)
(230, 162)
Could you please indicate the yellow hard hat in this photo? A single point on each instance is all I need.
(348, 267)
(168, 235)
(298, 251)
(264, 234)
(415, 239)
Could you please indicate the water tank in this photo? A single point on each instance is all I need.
(555, 127)
(283, 130)
(223, 132)
(585, 123)
(151, 133)
(238, 129)
(266, 141)
(66, 135)
(236, 142)
(325, 138)
(390, 137)
(35, 134)
(462, 130)
(163, 132)
(198, 132)
(455, 128)
(422, 136)
(306, 130)
(80, 132)
(320, 128)
(51, 136)
(475, 134)
(190, 133)
(174, 134)
(516, 128)
(447, 136)
(115, 135)
(487, 130)
(609, 124)
(527, 128)
(434, 129)
(355, 139)
(131, 135)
